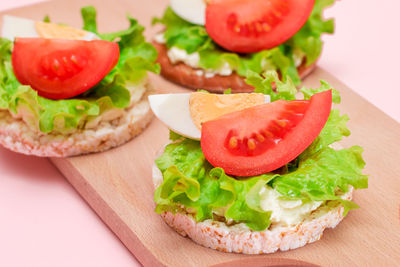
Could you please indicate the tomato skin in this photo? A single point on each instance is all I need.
(303, 119)
(58, 68)
(248, 26)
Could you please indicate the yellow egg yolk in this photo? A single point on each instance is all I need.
(205, 107)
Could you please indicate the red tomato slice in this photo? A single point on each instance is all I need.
(263, 138)
(59, 68)
(247, 26)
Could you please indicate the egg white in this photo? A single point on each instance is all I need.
(174, 111)
(193, 11)
(18, 27)
(21, 27)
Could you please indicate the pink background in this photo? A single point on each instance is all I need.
(44, 222)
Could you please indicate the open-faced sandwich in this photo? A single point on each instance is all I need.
(212, 44)
(255, 172)
(66, 91)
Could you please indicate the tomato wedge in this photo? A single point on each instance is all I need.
(247, 26)
(58, 68)
(263, 138)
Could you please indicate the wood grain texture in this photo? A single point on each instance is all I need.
(117, 184)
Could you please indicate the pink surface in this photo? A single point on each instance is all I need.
(44, 222)
(365, 51)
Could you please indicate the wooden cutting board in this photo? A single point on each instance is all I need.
(117, 184)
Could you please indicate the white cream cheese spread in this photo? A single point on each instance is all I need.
(288, 212)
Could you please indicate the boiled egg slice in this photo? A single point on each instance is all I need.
(21, 27)
(193, 11)
(184, 113)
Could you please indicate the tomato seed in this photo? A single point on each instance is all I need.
(251, 144)
(233, 142)
(260, 138)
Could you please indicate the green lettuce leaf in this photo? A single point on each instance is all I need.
(67, 115)
(308, 39)
(174, 136)
(263, 84)
(308, 92)
(333, 131)
(306, 43)
(189, 180)
(136, 55)
(88, 14)
(320, 173)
